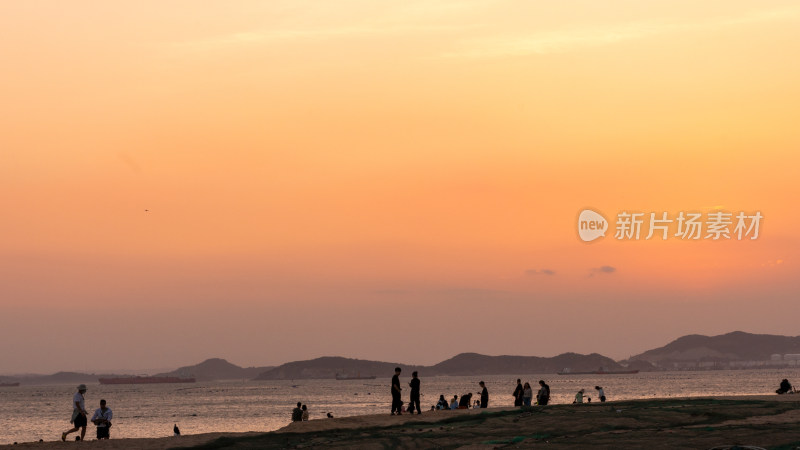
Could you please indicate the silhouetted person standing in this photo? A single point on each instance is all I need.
(414, 402)
(176, 431)
(78, 414)
(518, 393)
(601, 393)
(397, 404)
(484, 395)
(527, 394)
(544, 393)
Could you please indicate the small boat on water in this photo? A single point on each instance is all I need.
(145, 380)
(354, 377)
(600, 371)
(9, 384)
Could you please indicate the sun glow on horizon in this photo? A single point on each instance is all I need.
(328, 164)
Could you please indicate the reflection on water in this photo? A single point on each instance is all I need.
(30, 413)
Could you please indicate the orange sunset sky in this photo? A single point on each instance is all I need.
(269, 181)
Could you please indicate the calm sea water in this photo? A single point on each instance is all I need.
(30, 413)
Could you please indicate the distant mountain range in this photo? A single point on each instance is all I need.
(463, 364)
(736, 350)
(57, 378)
(330, 366)
(208, 370)
(216, 369)
(733, 350)
(735, 346)
(474, 364)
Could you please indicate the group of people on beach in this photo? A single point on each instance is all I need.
(600, 393)
(414, 399)
(465, 402)
(101, 418)
(300, 413)
(523, 396)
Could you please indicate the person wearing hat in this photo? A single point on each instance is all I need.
(78, 414)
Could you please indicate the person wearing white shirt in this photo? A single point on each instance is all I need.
(102, 418)
(601, 393)
(78, 414)
(579, 397)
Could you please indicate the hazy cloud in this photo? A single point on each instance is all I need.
(317, 33)
(602, 270)
(469, 292)
(558, 41)
(391, 291)
(533, 272)
(411, 18)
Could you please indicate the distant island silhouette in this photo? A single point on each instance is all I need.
(736, 350)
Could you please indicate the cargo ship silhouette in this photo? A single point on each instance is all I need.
(354, 377)
(145, 380)
(600, 371)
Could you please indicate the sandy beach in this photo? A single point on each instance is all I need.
(760, 421)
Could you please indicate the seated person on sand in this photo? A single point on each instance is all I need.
(102, 419)
(579, 397)
(785, 388)
(454, 402)
(297, 413)
(465, 401)
(442, 404)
